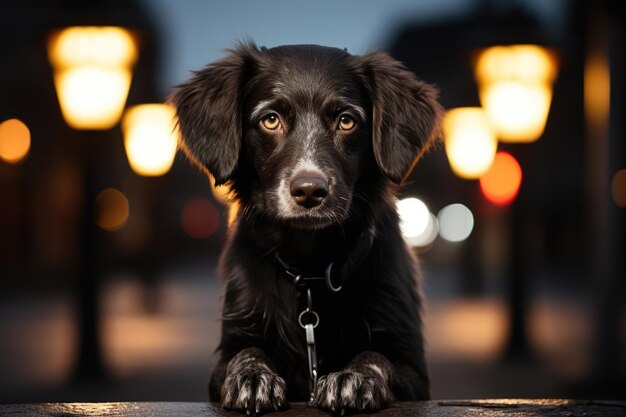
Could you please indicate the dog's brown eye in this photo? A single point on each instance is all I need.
(346, 122)
(271, 122)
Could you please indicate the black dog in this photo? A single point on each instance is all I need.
(313, 142)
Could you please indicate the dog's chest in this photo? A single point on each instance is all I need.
(342, 332)
(344, 328)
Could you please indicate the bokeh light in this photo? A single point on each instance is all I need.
(150, 138)
(199, 218)
(14, 141)
(470, 141)
(92, 73)
(413, 216)
(112, 209)
(597, 90)
(428, 236)
(515, 89)
(618, 188)
(501, 183)
(518, 112)
(456, 222)
(417, 224)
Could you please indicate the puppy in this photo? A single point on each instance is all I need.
(313, 142)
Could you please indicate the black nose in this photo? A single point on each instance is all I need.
(309, 189)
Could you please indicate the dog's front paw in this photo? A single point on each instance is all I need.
(351, 391)
(254, 391)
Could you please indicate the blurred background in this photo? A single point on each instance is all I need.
(108, 239)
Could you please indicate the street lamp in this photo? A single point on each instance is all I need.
(470, 141)
(150, 141)
(150, 138)
(92, 73)
(515, 89)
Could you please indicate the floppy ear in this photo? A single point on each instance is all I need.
(208, 107)
(406, 115)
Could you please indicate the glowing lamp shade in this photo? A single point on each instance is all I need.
(14, 141)
(515, 89)
(470, 141)
(92, 73)
(501, 183)
(150, 138)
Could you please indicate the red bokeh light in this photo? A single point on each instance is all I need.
(501, 183)
(199, 218)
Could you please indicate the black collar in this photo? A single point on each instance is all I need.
(337, 272)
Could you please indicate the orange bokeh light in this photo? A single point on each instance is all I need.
(112, 209)
(618, 188)
(501, 183)
(14, 141)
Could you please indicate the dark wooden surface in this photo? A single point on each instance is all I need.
(483, 408)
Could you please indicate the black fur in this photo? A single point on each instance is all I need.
(369, 339)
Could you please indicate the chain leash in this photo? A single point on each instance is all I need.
(309, 320)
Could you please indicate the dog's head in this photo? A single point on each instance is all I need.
(294, 128)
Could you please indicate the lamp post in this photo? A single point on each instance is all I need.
(92, 72)
(150, 141)
(471, 145)
(515, 89)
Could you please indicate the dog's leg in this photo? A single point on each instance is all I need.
(362, 386)
(252, 385)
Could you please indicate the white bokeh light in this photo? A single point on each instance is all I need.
(456, 222)
(417, 223)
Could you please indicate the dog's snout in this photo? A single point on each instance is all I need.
(309, 189)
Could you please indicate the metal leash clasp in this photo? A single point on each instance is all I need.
(308, 320)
